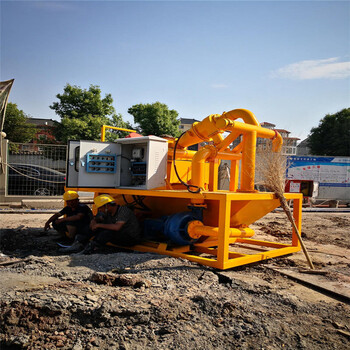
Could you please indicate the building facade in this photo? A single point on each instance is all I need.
(44, 129)
(185, 124)
(289, 147)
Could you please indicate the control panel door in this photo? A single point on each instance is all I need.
(94, 164)
(72, 176)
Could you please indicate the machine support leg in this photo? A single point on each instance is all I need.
(224, 232)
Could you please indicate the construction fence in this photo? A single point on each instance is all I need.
(32, 169)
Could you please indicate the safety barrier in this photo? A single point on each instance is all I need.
(30, 169)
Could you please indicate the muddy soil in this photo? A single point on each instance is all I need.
(130, 300)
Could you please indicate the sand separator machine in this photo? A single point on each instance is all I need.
(175, 190)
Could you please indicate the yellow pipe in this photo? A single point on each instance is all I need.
(198, 165)
(248, 162)
(197, 229)
(228, 140)
(228, 155)
(186, 154)
(211, 129)
(234, 171)
(181, 153)
(202, 131)
(238, 148)
(223, 122)
(276, 138)
(247, 116)
(104, 127)
(213, 175)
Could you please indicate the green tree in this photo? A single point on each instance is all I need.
(117, 120)
(155, 119)
(83, 112)
(332, 136)
(16, 125)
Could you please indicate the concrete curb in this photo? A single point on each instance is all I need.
(42, 203)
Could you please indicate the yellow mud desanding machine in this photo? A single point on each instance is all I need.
(175, 189)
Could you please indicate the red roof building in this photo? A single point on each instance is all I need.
(289, 143)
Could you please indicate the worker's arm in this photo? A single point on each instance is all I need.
(113, 227)
(53, 218)
(76, 217)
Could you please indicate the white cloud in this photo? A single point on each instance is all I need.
(330, 68)
(219, 86)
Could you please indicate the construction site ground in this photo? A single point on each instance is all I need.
(130, 300)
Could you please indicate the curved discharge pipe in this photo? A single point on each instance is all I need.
(207, 129)
(212, 128)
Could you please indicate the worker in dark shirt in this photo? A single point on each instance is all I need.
(77, 217)
(114, 223)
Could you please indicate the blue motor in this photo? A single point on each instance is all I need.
(173, 227)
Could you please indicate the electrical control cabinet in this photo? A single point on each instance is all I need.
(139, 162)
(143, 162)
(93, 164)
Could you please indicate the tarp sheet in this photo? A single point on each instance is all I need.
(5, 87)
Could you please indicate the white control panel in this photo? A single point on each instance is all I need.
(139, 162)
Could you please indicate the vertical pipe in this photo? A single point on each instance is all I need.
(103, 133)
(198, 166)
(234, 172)
(213, 175)
(104, 127)
(248, 161)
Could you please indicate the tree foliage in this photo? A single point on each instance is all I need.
(155, 119)
(76, 103)
(83, 112)
(16, 125)
(117, 120)
(332, 136)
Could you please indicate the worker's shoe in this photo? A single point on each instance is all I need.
(90, 248)
(74, 248)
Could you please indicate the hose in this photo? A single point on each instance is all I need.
(188, 186)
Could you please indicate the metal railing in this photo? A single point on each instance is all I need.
(36, 169)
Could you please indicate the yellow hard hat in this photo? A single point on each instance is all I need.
(102, 200)
(70, 195)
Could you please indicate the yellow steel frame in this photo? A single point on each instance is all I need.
(217, 251)
(105, 127)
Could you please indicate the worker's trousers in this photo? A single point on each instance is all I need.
(102, 237)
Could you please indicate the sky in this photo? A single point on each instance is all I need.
(288, 62)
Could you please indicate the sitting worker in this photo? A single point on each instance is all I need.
(77, 217)
(114, 224)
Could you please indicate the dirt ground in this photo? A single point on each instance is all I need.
(130, 300)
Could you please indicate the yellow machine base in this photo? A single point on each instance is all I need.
(206, 253)
(224, 210)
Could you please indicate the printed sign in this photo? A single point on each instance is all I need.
(328, 171)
